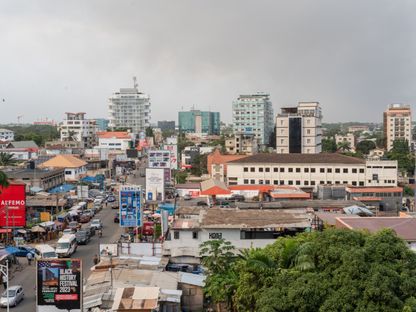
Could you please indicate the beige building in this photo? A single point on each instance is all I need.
(75, 127)
(397, 124)
(299, 129)
(311, 170)
(241, 144)
(350, 138)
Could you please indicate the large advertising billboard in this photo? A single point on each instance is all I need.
(173, 148)
(155, 184)
(13, 206)
(159, 159)
(59, 285)
(130, 205)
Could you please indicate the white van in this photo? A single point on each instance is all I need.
(44, 251)
(66, 246)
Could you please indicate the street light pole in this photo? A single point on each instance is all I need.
(4, 269)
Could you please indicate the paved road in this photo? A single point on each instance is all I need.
(27, 277)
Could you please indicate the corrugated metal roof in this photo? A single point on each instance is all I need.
(192, 279)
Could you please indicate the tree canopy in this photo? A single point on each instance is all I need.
(333, 270)
(365, 146)
(401, 153)
(329, 145)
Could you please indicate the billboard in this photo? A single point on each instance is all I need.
(173, 148)
(82, 191)
(159, 159)
(130, 205)
(59, 285)
(13, 206)
(155, 184)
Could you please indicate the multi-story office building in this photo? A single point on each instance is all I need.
(397, 124)
(349, 137)
(102, 124)
(129, 109)
(6, 135)
(76, 127)
(253, 114)
(166, 125)
(299, 129)
(199, 122)
(311, 170)
(241, 143)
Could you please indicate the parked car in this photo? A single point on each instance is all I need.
(114, 206)
(202, 203)
(117, 218)
(237, 198)
(74, 225)
(82, 237)
(97, 224)
(89, 212)
(90, 230)
(84, 218)
(187, 197)
(13, 296)
(21, 251)
(69, 231)
(111, 199)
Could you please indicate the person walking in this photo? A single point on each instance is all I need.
(4, 281)
(29, 257)
(95, 260)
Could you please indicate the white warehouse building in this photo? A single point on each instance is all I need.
(311, 170)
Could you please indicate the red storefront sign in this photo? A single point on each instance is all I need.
(13, 206)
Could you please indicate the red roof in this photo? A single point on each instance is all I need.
(291, 195)
(216, 158)
(375, 189)
(114, 135)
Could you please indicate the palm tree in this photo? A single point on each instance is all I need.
(3, 180)
(344, 146)
(7, 159)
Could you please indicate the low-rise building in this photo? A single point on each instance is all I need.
(115, 140)
(74, 167)
(217, 164)
(22, 150)
(310, 170)
(242, 143)
(38, 179)
(75, 127)
(244, 228)
(6, 135)
(357, 128)
(347, 138)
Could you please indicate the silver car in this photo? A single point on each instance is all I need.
(15, 295)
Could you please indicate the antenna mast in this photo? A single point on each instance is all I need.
(135, 82)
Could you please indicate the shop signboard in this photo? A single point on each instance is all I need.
(59, 285)
(130, 205)
(13, 206)
(155, 184)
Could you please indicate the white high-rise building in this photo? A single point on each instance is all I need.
(253, 114)
(129, 108)
(75, 127)
(397, 124)
(299, 129)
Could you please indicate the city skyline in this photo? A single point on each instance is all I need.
(60, 56)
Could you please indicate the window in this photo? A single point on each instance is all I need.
(297, 169)
(322, 170)
(290, 169)
(329, 170)
(67, 172)
(306, 170)
(297, 182)
(354, 170)
(176, 234)
(337, 170)
(306, 182)
(313, 170)
(282, 182)
(290, 182)
(361, 170)
(252, 169)
(267, 182)
(337, 182)
(282, 169)
(195, 235)
(245, 181)
(275, 169)
(344, 182)
(345, 170)
(260, 169)
(252, 181)
(329, 182)
(354, 183)
(260, 181)
(321, 182)
(275, 182)
(312, 182)
(267, 169)
(245, 169)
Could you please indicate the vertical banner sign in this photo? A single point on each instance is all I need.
(130, 206)
(59, 285)
(155, 184)
(13, 206)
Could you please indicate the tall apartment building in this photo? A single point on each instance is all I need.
(130, 109)
(166, 125)
(397, 120)
(253, 114)
(199, 122)
(299, 129)
(75, 127)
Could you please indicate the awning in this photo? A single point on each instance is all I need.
(37, 229)
(36, 189)
(21, 231)
(5, 230)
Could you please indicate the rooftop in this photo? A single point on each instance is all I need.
(63, 161)
(374, 189)
(323, 158)
(23, 144)
(114, 135)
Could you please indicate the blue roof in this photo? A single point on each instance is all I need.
(62, 188)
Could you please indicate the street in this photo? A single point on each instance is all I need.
(27, 277)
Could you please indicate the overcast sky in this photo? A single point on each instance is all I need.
(354, 57)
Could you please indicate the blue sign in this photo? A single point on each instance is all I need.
(130, 206)
(150, 196)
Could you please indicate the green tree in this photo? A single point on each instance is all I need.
(344, 146)
(4, 182)
(149, 132)
(7, 159)
(365, 147)
(401, 153)
(199, 165)
(180, 177)
(329, 146)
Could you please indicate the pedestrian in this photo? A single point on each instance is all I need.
(95, 260)
(4, 281)
(29, 257)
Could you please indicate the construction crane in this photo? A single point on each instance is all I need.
(19, 118)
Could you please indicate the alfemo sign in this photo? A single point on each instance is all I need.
(12, 202)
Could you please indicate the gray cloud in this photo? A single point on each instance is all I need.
(355, 57)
